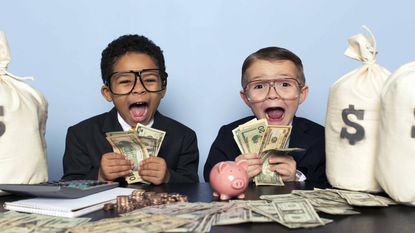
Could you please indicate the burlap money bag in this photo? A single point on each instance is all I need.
(396, 151)
(23, 113)
(352, 120)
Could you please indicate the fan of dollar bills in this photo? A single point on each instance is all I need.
(256, 136)
(136, 145)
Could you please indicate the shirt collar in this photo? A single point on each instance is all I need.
(126, 127)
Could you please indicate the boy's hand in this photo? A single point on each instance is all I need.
(254, 163)
(284, 165)
(114, 165)
(154, 170)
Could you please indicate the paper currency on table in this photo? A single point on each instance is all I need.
(12, 221)
(239, 212)
(318, 199)
(288, 196)
(363, 199)
(129, 144)
(137, 222)
(158, 135)
(298, 212)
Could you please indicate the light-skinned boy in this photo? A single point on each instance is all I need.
(274, 86)
(135, 80)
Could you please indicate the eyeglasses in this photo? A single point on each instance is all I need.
(123, 83)
(287, 88)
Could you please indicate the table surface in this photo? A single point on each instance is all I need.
(392, 219)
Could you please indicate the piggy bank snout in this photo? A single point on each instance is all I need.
(229, 179)
(238, 183)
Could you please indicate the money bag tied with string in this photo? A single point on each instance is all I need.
(352, 120)
(23, 113)
(396, 159)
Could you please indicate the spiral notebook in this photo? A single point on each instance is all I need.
(67, 207)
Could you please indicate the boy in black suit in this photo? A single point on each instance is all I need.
(135, 80)
(274, 86)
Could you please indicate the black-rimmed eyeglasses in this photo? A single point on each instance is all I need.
(123, 83)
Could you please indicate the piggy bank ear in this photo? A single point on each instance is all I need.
(243, 164)
(221, 167)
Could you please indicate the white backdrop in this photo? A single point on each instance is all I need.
(204, 43)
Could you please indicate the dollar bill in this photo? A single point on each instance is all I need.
(158, 135)
(151, 145)
(361, 199)
(239, 141)
(267, 177)
(137, 222)
(275, 137)
(12, 221)
(128, 144)
(252, 135)
(298, 212)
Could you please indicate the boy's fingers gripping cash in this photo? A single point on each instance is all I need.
(284, 165)
(153, 169)
(114, 165)
(254, 163)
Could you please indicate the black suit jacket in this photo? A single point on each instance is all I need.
(305, 134)
(86, 143)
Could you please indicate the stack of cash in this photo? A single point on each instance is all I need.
(334, 201)
(299, 209)
(136, 222)
(256, 136)
(11, 221)
(136, 145)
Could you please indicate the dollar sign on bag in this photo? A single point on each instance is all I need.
(413, 129)
(2, 125)
(360, 131)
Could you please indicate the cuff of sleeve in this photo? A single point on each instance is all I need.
(167, 177)
(300, 176)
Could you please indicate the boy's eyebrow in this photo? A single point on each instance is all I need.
(276, 75)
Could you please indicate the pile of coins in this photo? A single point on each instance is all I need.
(140, 198)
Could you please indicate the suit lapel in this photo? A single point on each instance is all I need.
(158, 121)
(299, 137)
(111, 123)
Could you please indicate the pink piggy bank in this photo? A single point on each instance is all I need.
(229, 179)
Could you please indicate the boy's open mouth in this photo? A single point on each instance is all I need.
(138, 111)
(275, 113)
